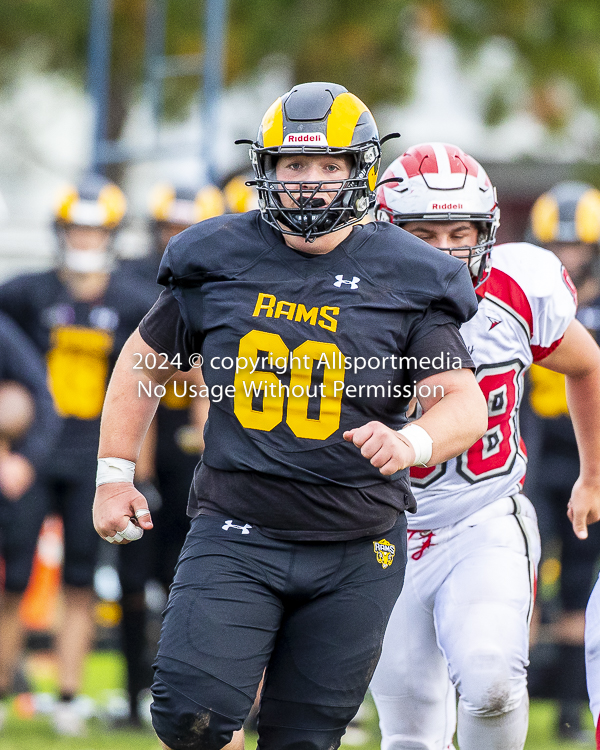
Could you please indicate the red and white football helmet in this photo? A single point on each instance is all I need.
(439, 182)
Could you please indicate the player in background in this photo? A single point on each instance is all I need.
(461, 623)
(28, 428)
(79, 314)
(565, 220)
(179, 424)
(173, 208)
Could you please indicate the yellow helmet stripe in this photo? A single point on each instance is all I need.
(209, 202)
(161, 201)
(272, 125)
(342, 120)
(111, 198)
(545, 218)
(66, 200)
(238, 195)
(587, 216)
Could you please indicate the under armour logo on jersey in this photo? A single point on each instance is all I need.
(341, 280)
(231, 525)
(493, 322)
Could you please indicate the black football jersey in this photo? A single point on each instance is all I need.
(298, 348)
(80, 342)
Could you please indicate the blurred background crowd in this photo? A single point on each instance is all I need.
(117, 127)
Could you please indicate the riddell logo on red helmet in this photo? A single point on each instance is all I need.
(445, 206)
(305, 139)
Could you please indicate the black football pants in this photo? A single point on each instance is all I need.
(312, 613)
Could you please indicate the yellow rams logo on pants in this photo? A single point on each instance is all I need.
(384, 552)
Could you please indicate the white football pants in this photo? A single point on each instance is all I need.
(461, 623)
(592, 654)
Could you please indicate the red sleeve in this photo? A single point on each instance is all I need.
(541, 352)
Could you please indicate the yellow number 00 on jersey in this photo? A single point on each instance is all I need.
(248, 383)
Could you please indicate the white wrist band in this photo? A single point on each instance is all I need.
(114, 470)
(420, 441)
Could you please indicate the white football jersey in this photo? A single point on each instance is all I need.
(525, 306)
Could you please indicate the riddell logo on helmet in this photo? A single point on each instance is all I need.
(445, 206)
(305, 139)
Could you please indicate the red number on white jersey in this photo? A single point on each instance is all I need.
(423, 476)
(494, 454)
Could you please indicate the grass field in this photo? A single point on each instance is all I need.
(103, 682)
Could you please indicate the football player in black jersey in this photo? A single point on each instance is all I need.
(179, 423)
(79, 315)
(300, 314)
(28, 428)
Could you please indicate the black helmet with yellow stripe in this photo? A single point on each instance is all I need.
(174, 208)
(316, 118)
(93, 202)
(184, 206)
(569, 213)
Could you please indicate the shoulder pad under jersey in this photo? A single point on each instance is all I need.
(406, 265)
(224, 243)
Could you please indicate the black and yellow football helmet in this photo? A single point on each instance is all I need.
(93, 202)
(184, 206)
(316, 118)
(96, 206)
(174, 208)
(569, 212)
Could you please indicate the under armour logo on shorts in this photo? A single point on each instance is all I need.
(341, 280)
(231, 525)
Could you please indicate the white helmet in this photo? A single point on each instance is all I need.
(439, 182)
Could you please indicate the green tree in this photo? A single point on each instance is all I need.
(364, 45)
(557, 43)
